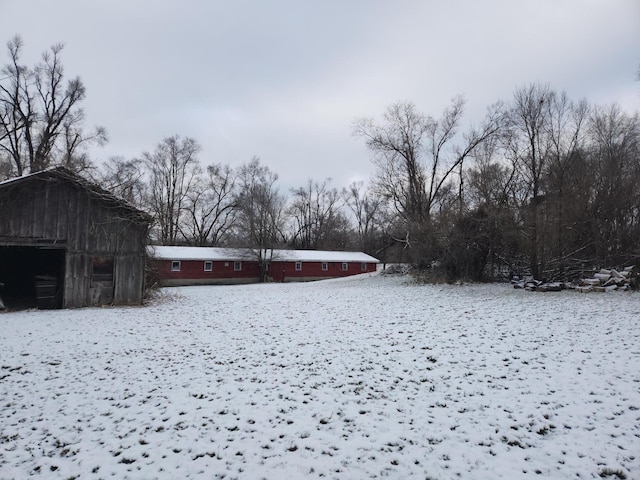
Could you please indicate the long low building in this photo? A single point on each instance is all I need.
(214, 265)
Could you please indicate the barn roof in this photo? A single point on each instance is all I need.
(235, 254)
(102, 195)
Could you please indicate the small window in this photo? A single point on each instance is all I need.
(363, 267)
(101, 270)
(175, 266)
(208, 266)
(325, 266)
(345, 266)
(298, 266)
(237, 266)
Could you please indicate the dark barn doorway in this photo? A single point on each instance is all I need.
(31, 277)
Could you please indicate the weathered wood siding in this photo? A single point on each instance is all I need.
(57, 211)
(38, 210)
(76, 287)
(129, 270)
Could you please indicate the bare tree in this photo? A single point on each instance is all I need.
(397, 146)
(366, 208)
(125, 179)
(565, 204)
(73, 152)
(171, 169)
(40, 115)
(491, 179)
(315, 211)
(211, 206)
(492, 190)
(529, 147)
(260, 211)
(614, 153)
(416, 157)
(16, 107)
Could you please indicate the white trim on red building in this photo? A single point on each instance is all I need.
(237, 265)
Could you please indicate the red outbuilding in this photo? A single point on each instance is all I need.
(213, 265)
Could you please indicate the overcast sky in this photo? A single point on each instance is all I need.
(285, 79)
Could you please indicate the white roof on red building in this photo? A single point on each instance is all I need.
(246, 254)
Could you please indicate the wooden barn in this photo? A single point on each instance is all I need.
(212, 265)
(65, 242)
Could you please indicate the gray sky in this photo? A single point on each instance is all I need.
(285, 79)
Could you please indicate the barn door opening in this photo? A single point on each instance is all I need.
(102, 285)
(31, 277)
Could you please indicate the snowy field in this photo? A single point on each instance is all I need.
(357, 378)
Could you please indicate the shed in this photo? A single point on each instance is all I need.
(66, 242)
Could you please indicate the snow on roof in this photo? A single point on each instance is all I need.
(196, 253)
(27, 176)
(217, 253)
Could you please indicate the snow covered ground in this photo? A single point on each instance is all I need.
(362, 377)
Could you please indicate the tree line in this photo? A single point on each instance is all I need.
(218, 205)
(544, 185)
